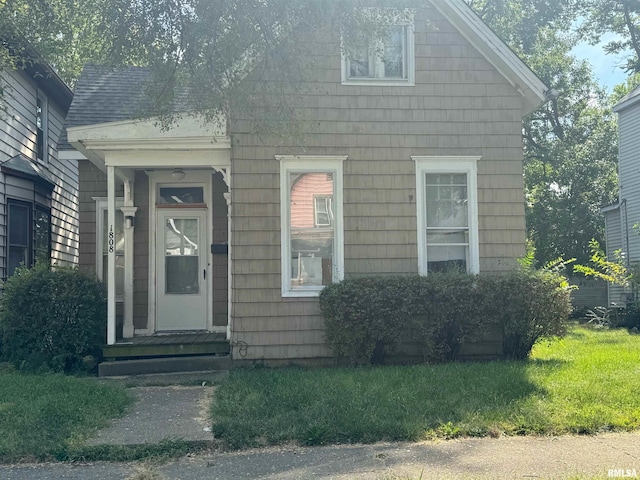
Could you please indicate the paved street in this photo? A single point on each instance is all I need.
(503, 458)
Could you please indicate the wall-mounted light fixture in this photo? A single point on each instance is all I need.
(178, 174)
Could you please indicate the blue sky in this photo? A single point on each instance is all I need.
(606, 68)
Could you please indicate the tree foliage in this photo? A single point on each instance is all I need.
(621, 17)
(207, 48)
(571, 141)
(200, 51)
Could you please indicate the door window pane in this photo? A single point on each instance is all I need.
(182, 267)
(311, 229)
(180, 195)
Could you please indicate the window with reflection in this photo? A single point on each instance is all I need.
(312, 230)
(180, 195)
(181, 252)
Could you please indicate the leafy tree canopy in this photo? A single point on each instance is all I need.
(208, 46)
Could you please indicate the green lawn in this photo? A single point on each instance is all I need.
(584, 383)
(44, 416)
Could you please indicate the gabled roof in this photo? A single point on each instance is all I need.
(512, 68)
(36, 66)
(628, 100)
(105, 94)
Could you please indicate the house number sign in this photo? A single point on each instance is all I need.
(111, 239)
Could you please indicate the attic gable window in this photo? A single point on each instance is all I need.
(385, 56)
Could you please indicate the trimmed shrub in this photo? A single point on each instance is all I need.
(529, 305)
(365, 318)
(445, 312)
(51, 318)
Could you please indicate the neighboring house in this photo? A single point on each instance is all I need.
(410, 164)
(38, 191)
(622, 216)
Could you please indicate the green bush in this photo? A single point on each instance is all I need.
(365, 318)
(50, 319)
(528, 306)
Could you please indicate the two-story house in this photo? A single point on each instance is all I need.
(412, 163)
(38, 191)
(622, 217)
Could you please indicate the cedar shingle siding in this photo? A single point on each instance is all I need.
(460, 105)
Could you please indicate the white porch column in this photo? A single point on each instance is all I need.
(129, 212)
(111, 256)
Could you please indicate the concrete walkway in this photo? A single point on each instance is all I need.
(161, 413)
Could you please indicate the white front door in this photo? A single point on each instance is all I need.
(181, 269)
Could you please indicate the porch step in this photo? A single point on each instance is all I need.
(147, 366)
(167, 346)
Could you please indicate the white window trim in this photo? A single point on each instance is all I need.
(447, 164)
(101, 207)
(387, 82)
(303, 164)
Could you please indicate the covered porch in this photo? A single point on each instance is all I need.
(164, 250)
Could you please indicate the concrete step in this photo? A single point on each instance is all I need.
(148, 366)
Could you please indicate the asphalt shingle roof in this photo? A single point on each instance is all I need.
(105, 94)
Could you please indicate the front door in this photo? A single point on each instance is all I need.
(181, 270)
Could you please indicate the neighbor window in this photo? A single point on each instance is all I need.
(384, 57)
(41, 128)
(102, 239)
(447, 214)
(311, 209)
(28, 234)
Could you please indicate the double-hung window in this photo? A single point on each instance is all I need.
(447, 214)
(312, 230)
(385, 56)
(28, 234)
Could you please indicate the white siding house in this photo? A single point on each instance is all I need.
(621, 217)
(38, 191)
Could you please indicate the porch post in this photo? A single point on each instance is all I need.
(129, 212)
(111, 255)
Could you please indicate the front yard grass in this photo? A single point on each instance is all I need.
(49, 416)
(584, 383)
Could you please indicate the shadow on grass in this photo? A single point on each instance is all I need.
(369, 404)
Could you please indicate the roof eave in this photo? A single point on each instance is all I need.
(510, 66)
(626, 103)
